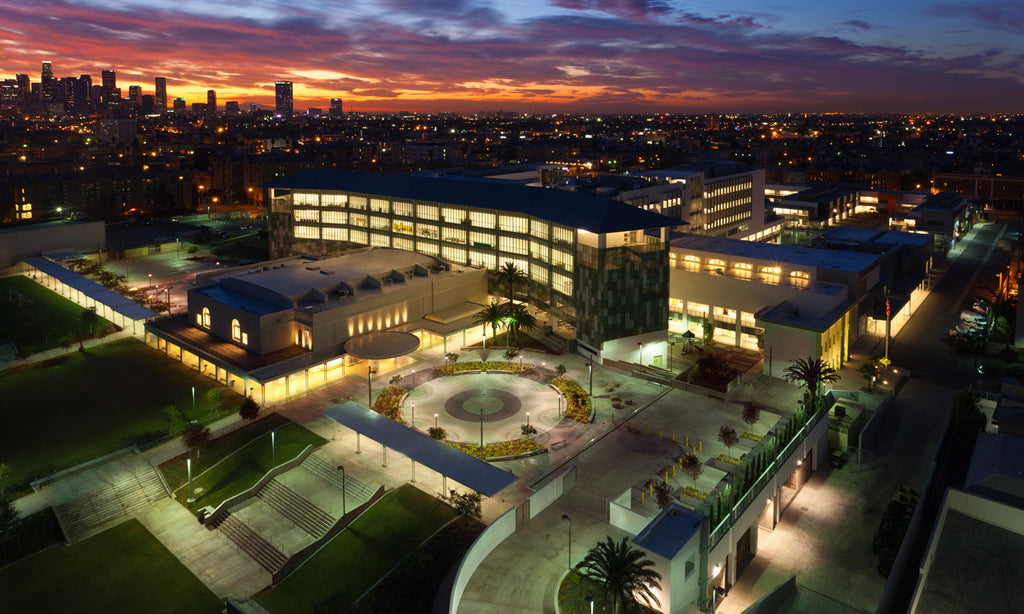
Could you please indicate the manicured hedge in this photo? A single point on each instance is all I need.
(387, 403)
(513, 447)
(578, 403)
(489, 365)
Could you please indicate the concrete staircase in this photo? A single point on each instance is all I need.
(356, 492)
(292, 506)
(250, 542)
(98, 509)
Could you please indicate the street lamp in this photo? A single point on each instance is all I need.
(414, 416)
(590, 369)
(481, 431)
(193, 404)
(414, 379)
(188, 464)
(343, 508)
(641, 346)
(569, 520)
(435, 421)
(527, 418)
(150, 279)
(590, 600)
(273, 448)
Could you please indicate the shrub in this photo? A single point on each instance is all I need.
(578, 403)
(528, 429)
(512, 447)
(438, 433)
(387, 403)
(490, 365)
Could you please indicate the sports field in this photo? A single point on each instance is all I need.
(35, 319)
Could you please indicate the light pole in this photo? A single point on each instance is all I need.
(168, 298)
(188, 464)
(569, 520)
(559, 405)
(343, 507)
(150, 279)
(369, 384)
(435, 421)
(414, 380)
(641, 346)
(273, 448)
(671, 350)
(590, 600)
(193, 404)
(414, 416)
(481, 431)
(527, 418)
(590, 369)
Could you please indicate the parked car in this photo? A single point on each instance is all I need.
(973, 316)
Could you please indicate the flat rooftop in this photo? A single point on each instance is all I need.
(596, 214)
(868, 235)
(820, 194)
(843, 260)
(670, 531)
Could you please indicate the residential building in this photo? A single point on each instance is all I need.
(283, 99)
(161, 94)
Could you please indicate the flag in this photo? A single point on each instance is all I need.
(888, 311)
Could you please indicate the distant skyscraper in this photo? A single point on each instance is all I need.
(180, 106)
(24, 86)
(211, 103)
(47, 70)
(283, 99)
(161, 94)
(48, 85)
(109, 86)
(135, 95)
(336, 108)
(231, 108)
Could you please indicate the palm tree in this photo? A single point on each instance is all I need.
(511, 274)
(493, 315)
(623, 573)
(517, 318)
(812, 373)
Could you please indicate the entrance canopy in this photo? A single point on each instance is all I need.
(382, 344)
(478, 475)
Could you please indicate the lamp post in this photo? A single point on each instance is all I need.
(481, 431)
(369, 384)
(193, 404)
(590, 600)
(590, 369)
(559, 405)
(168, 298)
(435, 421)
(150, 279)
(414, 380)
(414, 416)
(273, 448)
(343, 507)
(527, 418)
(188, 465)
(569, 520)
(640, 344)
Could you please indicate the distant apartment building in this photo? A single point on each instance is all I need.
(998, 189)
(161, 94)
(283, 106)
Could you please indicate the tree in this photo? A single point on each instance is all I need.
(438, 433)
(213, 398)
(5, 478)
(510, 274)
(396, 380)
(466, 505)
(692, 467)
(249, 409)
(662, 494)
(727, 435)
(707, 331)
(511, 354)
(560, 370)
(195, 436)
(623, 572)
(812, 373)
(492, 315)
(873, 368)
(8, 518)
(88, 319)
(751, 414)
(450, 357)
(517, 318)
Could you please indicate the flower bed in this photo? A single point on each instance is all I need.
(489, 365)
(725, 458)
(751, 436)
(515, 448)
(700, 495)
(578, 403)
(387, 403)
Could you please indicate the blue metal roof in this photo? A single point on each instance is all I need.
(245, 302)
(472, 472)
(672, 529)
(596, 214)
(116, 302)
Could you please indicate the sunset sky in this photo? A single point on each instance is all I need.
(540, 55)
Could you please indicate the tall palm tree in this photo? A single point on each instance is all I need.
(623, 573)
(517, 318)
(812, 373)
(492, 315)
(511, 274)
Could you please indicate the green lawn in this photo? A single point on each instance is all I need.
(123, 569)
(94, 403)
(240, 470)
(42, 324)
(361, 554)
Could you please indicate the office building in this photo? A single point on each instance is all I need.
(180, 107)
(283, 99)
(211, 103)
(161, 94)
(135, 96)
(336, 110)
(231, 108)
(597, 267)
(109, 86)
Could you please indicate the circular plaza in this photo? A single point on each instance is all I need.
(496, 404)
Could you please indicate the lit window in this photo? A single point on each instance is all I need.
(206, 317)
(236, 330)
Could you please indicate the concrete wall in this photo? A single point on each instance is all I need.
(621, 515)
(35, 239)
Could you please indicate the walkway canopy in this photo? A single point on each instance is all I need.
(472, 472)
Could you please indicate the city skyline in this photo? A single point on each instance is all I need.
(561, 56)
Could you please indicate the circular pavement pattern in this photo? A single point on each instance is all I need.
(496, 405)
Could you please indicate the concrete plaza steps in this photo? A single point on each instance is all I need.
(356, 492)
(250, 542)
(84, 515)
(292, 506)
